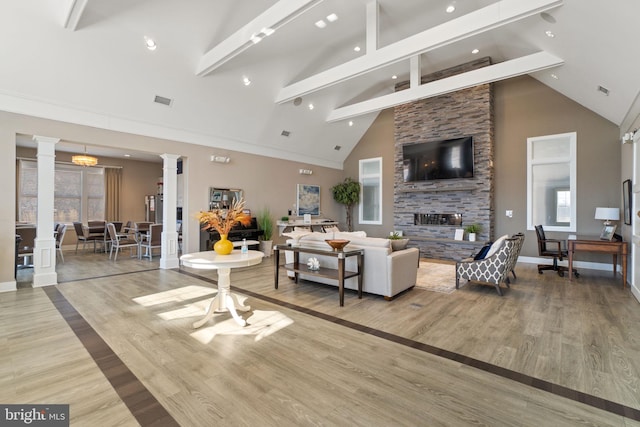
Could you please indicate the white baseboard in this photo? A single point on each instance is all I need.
(577, 264)
(635, 292)
(8, 286)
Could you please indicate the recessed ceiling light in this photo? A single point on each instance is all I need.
(332, 18)
(350, 122)
(451, 8)
(127, 155)
(151, 45)
(246, 81)
(394, 77)
(356, 49)
(310, 106)
(554, 76)
(550, 34)
(321, 24)
(475, 51)
(255, 38)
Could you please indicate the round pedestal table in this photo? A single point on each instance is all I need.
(224, 301)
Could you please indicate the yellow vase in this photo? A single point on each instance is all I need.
(223, 246)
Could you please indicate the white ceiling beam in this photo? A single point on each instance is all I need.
(74, 13)
(492, 73)
(479, 21)
(276, 16)
(373, 25)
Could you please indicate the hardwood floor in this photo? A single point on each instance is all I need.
(549, 352)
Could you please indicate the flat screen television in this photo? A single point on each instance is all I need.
(446, 159)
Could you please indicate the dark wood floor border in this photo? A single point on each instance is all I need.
(558, 390)
(143, 405)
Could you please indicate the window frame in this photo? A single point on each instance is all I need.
(570, 160)
(362, 176)
(84, 197)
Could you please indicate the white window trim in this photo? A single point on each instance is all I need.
(362, 177)
(571, 160)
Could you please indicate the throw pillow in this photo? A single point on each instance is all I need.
(483, 252)
(495, 247)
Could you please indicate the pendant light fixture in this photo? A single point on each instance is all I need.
(84, 159)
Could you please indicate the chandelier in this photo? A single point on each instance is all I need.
(84, 159)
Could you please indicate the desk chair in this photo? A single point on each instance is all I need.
(551, 248)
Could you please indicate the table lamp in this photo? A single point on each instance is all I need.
(608, 215)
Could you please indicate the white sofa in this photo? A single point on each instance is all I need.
(386, 272)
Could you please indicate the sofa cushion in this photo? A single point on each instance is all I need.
(495, 247)
(347, 235)
(296, 235)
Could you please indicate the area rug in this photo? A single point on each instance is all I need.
(436, 277)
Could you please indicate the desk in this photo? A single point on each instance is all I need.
(224, 300)
(594, 244)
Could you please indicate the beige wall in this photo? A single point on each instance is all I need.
(524, 107)
(266, 181)
(378, 141)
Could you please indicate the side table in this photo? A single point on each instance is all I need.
(224, 300)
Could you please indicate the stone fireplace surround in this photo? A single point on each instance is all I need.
(467, 112)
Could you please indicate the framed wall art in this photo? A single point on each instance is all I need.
(308, 199)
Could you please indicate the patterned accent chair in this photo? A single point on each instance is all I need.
(493, 270)
(519, 237)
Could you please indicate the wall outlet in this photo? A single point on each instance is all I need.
(509, 213)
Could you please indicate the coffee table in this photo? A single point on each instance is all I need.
(224, 301)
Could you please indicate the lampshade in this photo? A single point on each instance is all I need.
(608, 214)
(84, 159)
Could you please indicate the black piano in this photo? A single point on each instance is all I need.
(237, 233)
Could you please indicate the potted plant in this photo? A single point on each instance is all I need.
(472, 230)
(265, 223)
(398, 242)
(347, 193)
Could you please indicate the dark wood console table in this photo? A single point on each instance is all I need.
(328, 273)
(594, 244)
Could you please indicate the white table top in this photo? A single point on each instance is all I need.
(210, 260)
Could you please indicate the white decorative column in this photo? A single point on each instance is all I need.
(44, 253)
(169, 250)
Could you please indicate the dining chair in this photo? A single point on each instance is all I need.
(26, 245)
(119, 241)
(62, 229)
(151, 240)
(84, 236)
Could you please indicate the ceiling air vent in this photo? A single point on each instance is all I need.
(162, 100)
(603, 90)
(337, 147)
(285, 133)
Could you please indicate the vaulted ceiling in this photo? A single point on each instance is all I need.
(87, 62)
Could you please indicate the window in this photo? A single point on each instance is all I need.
(79, 193)
(370, 208)
(551, 182)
